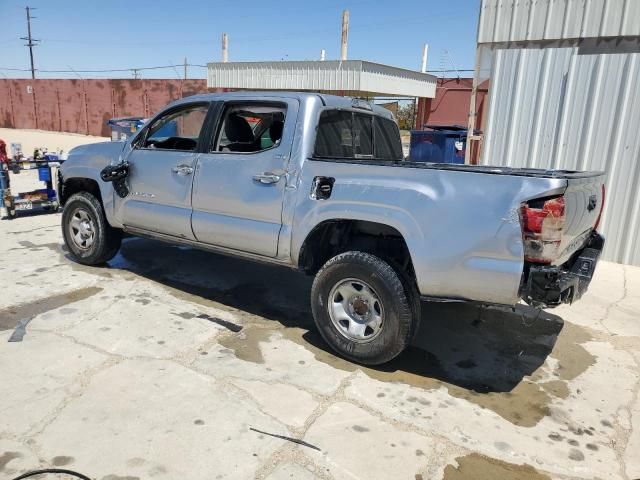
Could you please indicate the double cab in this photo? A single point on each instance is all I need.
(319, 183)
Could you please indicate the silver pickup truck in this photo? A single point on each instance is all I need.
(319, 183)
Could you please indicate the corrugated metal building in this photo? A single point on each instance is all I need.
(565, 93)
(347, 77)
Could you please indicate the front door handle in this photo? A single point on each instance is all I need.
(182, 170)
(267, 177)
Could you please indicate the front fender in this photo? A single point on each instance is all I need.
(86, 161)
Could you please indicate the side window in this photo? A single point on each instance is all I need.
(387, 140)
(334, 137)
(344, 134)
(177, 130)
(251, 128)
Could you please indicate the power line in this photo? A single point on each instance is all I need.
(106, 70)
(30, 40)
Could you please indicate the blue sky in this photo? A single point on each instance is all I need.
(115, 34)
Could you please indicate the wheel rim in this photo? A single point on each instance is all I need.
(356, 310)
(82, 229)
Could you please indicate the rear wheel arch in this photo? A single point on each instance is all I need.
(332, 237)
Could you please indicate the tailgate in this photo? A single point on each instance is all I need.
(584, 198)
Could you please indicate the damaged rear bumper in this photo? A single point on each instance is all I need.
(550, 285)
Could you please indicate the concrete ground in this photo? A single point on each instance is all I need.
(174, 363)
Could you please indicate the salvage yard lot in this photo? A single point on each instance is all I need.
(177, 363)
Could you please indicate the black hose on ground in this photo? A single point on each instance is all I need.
(52, 470)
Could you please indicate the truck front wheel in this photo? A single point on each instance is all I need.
(362, 308)
(87, 234)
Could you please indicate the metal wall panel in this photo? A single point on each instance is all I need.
(561, 108)
(535, 20)
(334, 76)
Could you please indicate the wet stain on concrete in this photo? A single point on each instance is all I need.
(223, 323)
(61, 461)
(556, 437)
(6, 457)
(246, 345)
(573, 358)
(55, 247)
(525, 405)
(480, 467)
(494, 365)
(556, 388)
(9, 317)
(576, 455)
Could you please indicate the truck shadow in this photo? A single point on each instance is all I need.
(476, 348)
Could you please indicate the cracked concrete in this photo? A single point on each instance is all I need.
(136, 380)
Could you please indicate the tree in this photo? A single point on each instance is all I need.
(405, 116)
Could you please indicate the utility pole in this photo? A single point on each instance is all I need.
(30, 41)
(345, 34)
(185, 68)
(135, 72)
(225, 48)
(425, 52)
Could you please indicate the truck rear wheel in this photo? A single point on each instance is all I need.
(362, 308)
(87, 234)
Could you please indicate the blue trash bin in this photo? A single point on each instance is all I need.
(438, 144)
(122, 128)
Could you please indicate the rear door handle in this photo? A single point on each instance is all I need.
(267, 177)
(182, 170)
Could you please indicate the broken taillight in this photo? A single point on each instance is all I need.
(542, 226)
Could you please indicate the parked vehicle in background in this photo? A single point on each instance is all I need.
(318, 183)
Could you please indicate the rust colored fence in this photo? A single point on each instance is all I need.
(84, 106)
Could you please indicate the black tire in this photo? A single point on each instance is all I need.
(106, 239)
(393, 290)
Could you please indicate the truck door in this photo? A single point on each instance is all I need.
(162, 163)
(240, 181)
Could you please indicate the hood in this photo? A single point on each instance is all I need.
(94, 156)
(100, 148)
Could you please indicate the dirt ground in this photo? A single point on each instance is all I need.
(175, 363)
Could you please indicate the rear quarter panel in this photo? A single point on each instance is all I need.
(462, 229)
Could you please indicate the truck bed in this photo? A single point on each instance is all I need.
(486, 169)
(460, 229)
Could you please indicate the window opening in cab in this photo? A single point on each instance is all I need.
(251, 128)
(178, 130)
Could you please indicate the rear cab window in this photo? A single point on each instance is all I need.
(346, 134)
